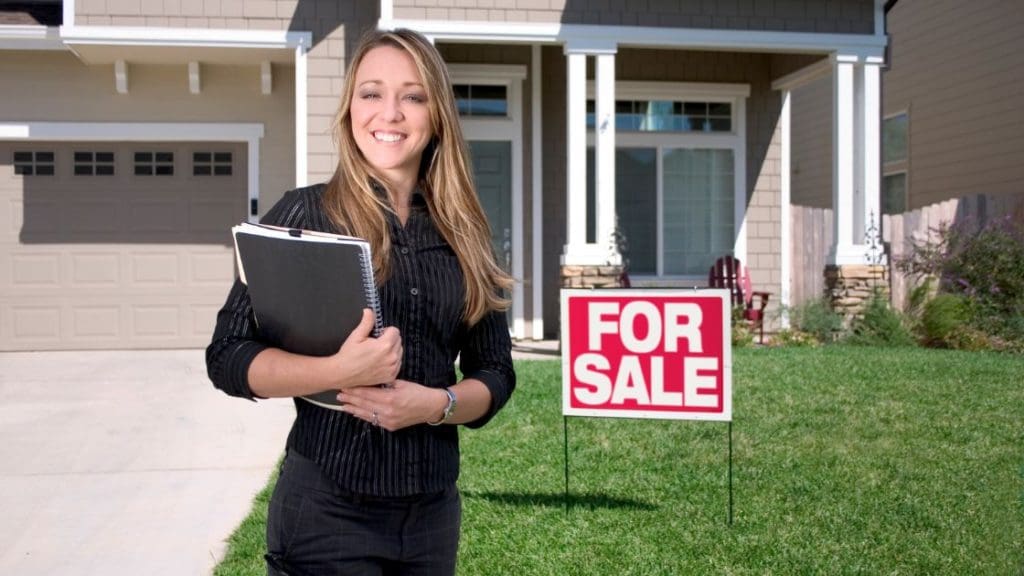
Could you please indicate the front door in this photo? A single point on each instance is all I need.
(492, 169)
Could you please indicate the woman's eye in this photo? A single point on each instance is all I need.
(417, 98)
(369, 95)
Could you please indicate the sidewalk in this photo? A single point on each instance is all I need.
(131, 462)
(126, 462)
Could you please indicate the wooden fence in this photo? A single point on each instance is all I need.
(812, 238)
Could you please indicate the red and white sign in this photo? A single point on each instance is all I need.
(647, 354)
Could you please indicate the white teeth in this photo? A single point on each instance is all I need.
(384, 137)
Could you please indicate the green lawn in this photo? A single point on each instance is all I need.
(846, 461)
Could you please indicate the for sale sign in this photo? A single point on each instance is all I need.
(647, 354)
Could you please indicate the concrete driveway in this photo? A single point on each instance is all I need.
(125, 462)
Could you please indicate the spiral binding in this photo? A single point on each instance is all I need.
(370, 289)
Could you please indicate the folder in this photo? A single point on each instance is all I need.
(308, 289)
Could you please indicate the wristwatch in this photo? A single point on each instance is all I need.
(449, 410)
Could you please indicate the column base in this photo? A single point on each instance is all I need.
(589, 276)
(850, 287)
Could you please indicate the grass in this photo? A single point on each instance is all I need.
(846, 460)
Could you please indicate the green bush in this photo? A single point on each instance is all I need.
(817, 318)
(984, 266)
(742, 335)
(942, 317)
(880, 325)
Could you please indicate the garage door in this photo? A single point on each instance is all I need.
(110, 246)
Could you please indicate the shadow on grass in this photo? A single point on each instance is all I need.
(558, 500)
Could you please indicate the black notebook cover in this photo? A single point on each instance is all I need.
(308, 289)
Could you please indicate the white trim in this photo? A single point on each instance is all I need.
(205, 37)
(301, 128)
(583, 35)
(843, 140)
(69, 13)
(22, 37)
(537, 152)
(879, 17)
(387, 10)
(194, 86)
(250, 133)
(785, 210)
(506, 129)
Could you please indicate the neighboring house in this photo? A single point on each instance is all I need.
(133, 133)
(952, 123)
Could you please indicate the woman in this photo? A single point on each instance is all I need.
(371, 489)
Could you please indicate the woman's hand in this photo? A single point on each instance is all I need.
(396, 406)
(367, 361)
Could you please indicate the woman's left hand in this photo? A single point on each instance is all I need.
(396, 406)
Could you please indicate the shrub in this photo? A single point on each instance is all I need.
(742, 335)
(818, 319)
(941, 318)
(983, 266)
(880, 325)
(795, 338)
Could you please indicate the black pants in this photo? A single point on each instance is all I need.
(315, 528)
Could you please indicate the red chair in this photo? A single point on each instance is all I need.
(727, 272)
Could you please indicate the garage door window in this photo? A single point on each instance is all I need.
(33, 163)
(94, 163)
(154, 163)
(211, 163)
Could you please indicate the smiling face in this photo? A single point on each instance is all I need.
(390, 114)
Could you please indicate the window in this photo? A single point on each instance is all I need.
(668, 116)
(154, 163)
(94, 163)
(895, 164)
(481, 99)
(34, 163)
(894, 139)
(211, 163)
(694, 207)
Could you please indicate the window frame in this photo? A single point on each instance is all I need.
(34, 163)
(896, 167)
(734, 140)
(93, 163)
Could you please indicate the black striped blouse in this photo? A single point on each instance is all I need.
(424, 300)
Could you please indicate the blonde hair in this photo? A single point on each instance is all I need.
(445, 178)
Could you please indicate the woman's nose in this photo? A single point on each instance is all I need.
(392, 110)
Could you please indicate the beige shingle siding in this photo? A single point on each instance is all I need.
(825, 16)
(959, 69)
(241, 14)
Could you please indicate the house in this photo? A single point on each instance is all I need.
(951, 127)
(133, 133)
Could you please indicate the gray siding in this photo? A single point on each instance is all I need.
(811, 152)
(825, 16)
(957, 68)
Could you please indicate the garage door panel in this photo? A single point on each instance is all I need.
(155, 321)
(165, 215)
(34, 271)
(154, 269)
(101, 270)
(213, 269)
(96, 322)
(36, 324)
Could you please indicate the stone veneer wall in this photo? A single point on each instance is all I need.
(591, 276)
(849, 287)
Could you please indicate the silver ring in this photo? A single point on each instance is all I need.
(376, 420)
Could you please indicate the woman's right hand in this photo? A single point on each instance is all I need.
(367, 361)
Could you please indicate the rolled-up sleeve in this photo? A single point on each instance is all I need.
(235, 344)
(486, 356)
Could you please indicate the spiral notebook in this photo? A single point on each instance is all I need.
(308, 289)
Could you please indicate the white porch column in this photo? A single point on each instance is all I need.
(856, 139)
(301, 144)
(605, 148)
(844, 154)
(871, 176)
(576, 152)
(577, 251)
